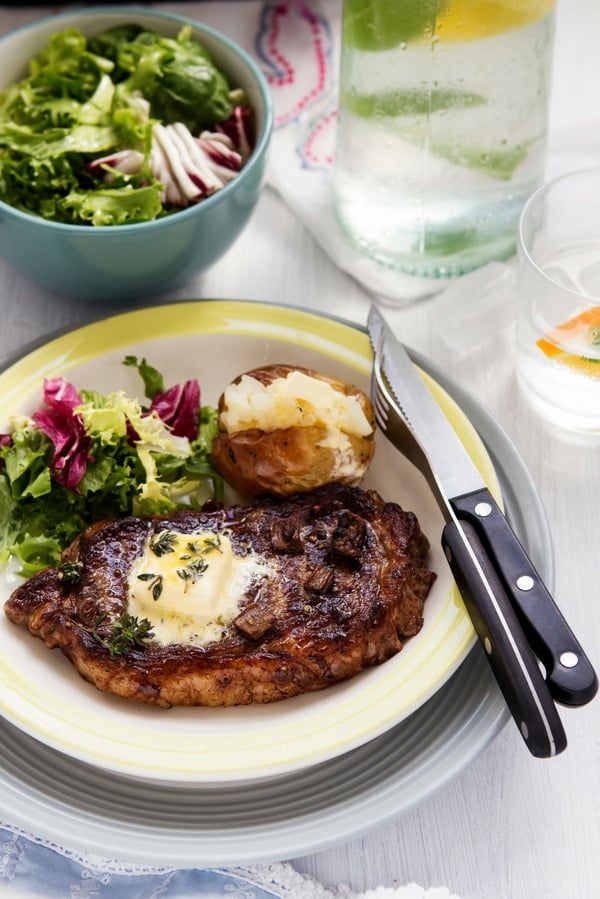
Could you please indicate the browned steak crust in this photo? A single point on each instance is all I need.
(349, 585)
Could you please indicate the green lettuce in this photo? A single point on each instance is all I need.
(176, 76)
(114, 206)
(87, 100)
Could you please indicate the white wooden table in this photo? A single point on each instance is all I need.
(510, 827)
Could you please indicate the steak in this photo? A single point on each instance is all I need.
(338, 582)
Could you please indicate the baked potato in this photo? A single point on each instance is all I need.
(285, 429)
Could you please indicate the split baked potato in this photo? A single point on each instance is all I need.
(285, 429)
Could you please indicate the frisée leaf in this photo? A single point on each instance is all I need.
(113, 206)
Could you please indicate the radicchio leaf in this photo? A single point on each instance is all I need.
(66, 431)
(239, 129)
(179, 408)
(129, 162)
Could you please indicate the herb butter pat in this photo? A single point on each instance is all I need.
(190, 586)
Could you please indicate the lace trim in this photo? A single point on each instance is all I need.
(288, 883)
(86, 860)
(279, 878)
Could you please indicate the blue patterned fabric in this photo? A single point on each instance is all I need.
(33, 868)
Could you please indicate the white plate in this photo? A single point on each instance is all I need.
(93, 812)
(215, 341)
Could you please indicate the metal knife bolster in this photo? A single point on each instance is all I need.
(569, 674)
(509, 654)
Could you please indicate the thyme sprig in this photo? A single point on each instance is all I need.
(155, 583)
(212, 543)
(124, 633)
(164, 543)
(70, 572)
(192, 572)
(194, 569)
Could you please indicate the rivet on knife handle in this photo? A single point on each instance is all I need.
(569, 673)
(509, 654)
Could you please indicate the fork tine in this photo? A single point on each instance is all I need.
(376, 382)
(379, 397)
(394, 426)
(381, 408)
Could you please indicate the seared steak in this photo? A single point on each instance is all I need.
(329, 583)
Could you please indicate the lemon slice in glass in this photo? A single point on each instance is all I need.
(467, 20)
(381, 24)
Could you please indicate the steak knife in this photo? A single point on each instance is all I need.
(513, 613)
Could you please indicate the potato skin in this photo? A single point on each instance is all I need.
(291, 460)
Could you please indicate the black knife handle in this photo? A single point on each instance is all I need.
(508, 652)
(570, 676)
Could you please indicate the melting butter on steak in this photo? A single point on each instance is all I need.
(306, 592)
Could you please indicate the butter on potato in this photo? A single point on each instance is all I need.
(286, 429)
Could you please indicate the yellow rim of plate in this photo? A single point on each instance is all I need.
(321, 735)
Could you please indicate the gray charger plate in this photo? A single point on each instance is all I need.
(88, 810)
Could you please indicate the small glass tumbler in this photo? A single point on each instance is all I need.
(558, 282)
(441, 128)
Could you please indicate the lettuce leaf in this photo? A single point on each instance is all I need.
(113, 206)
(176, 75)
(153, 380)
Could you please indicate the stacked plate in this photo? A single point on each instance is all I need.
(196, 787)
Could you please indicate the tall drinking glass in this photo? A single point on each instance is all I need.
(558, 280)
(441, 128)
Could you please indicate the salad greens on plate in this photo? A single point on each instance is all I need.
(124, 127)
(85, 456)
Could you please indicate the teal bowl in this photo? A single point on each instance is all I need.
(132, 262)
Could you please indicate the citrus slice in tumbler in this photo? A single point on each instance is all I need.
(567, 343)
(468, 20)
